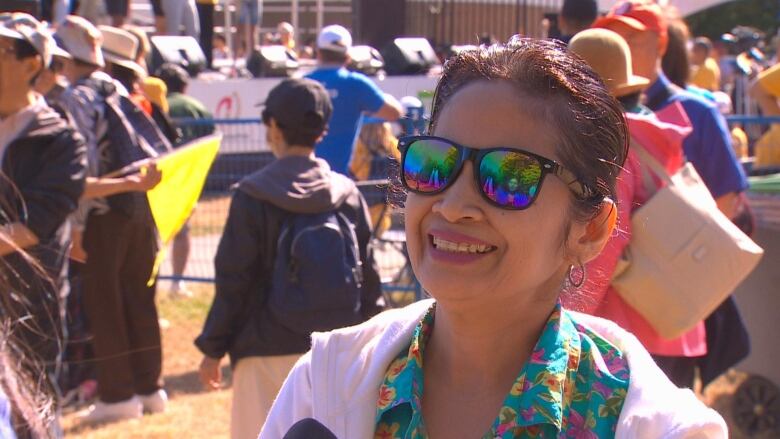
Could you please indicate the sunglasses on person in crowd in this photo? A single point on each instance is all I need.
(509, 178)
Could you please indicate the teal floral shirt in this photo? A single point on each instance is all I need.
(573, 385)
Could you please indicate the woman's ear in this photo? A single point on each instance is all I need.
(587, 240)
(32, 66)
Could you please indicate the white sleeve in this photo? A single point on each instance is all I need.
(654, 407)
(681, 416)
(293, 403)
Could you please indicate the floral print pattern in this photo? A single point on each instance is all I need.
(573, 386)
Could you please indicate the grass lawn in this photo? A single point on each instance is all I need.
(195, 413)
(210, 215)
(192, 412)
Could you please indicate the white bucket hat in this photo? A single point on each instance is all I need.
(81, 39)
(21, 26)
(120, 47)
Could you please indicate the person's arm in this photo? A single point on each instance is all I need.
(237, 266)
(380, 104)
(51, 194)
(15, 236)
(715, 160)
(372, 285)
(140, 182)
(391, 110)
(729, 204)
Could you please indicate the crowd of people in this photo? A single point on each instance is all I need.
(557, 155)
(79, 136)
(83, 121)
(193, 18)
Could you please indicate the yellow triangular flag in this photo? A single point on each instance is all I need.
(184, 173)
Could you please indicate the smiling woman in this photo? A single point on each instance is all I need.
(508, 198)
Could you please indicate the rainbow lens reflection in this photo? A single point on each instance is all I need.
(429, 164)
(510, 179)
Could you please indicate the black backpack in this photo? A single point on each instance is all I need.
(317, 276)
(130, 136)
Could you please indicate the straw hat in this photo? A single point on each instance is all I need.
(120, 47)
(609, 56)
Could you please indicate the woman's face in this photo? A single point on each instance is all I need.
(525, 258)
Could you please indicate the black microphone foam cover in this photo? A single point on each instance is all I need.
(309, 429)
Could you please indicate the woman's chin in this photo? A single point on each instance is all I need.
(444, 285)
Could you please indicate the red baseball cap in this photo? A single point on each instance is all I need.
(640, 15)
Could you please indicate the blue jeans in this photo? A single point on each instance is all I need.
(251, 12)
(178, 13)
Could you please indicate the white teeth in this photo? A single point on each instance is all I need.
(461, 247)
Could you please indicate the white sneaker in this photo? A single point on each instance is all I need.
(179, 290)
(102, 412)
(154, 402)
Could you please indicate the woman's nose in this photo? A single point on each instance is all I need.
(461, 201)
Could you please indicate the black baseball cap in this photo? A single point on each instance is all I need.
(298, 103)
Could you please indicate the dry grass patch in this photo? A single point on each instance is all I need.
(210, 215)
(192, 412)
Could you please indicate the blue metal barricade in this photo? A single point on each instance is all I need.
(241, 154)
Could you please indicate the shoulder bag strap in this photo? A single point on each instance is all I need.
(649, 166)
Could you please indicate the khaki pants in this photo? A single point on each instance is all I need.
(256, 381)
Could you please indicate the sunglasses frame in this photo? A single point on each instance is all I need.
(548, 166)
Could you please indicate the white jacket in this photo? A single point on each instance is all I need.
(337, 383)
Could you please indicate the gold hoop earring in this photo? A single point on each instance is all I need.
(576, 283)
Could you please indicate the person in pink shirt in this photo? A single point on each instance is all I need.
(661, 135)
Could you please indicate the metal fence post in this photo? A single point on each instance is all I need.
(294, 15)
(320, 15)
(228, 29)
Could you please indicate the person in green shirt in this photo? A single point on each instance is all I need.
(182, 106)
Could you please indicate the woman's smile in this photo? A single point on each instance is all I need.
(451, 247)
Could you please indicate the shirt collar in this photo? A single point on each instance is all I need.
(657, 87)
(537, 395)
(405, 373)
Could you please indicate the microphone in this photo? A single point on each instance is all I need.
(309, 428)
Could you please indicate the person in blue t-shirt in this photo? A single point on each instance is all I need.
(352, 94)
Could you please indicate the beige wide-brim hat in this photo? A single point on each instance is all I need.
(81, 39)
(21, 26)
(609, 56)
(120, 47)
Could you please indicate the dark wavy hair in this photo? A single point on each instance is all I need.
(675, 62)
(22, 377)
(587, 121)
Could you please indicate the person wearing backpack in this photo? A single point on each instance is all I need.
(119, 238)
(294, 258)
(42, 173)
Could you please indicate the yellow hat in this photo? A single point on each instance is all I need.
(155, 90)
(608, 55)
